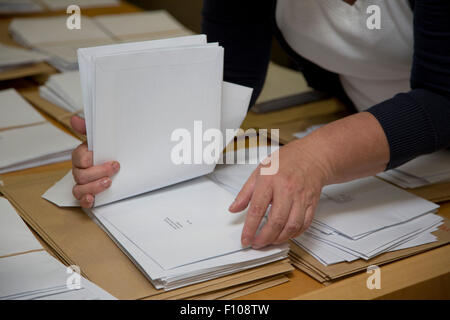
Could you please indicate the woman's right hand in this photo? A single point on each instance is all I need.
(90, 180)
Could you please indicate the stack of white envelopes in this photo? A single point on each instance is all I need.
(28, 272)
(358, 219)
(422, 171)
(51, 35)
(12, 57)
(151, 105)
(135, 97)
(64, 90)
(178, 235)
(26, 138)
(183, 234)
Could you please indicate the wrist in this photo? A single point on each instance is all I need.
(313, 153)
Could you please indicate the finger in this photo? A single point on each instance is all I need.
(92, 188)
(278, 216)
(244, 196)
(87, 201)
(81, 157)
(294, 223)
(260, 201)
(78, 124)
(309, 216)
(84, 176)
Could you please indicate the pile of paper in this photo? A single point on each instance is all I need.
(150, 91)
(28, 272)
(12, 57)
(64, 90)
(367, 217)
(26, 138)
(200, 238)
(422, 171)
(51, 36)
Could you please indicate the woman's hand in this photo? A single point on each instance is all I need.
(90, 179)
(293, 191)
(350, 148)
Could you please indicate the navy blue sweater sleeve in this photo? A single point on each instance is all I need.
(418, 122)
(415, 123)
(244, 29)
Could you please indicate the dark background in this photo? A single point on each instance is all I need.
(188, 12)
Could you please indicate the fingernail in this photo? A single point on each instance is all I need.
(89, 199)
(106, 182)
(245, 242)
(231, 207)
(115, 165)
(257, 246)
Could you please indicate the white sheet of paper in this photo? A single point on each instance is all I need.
(33, 31)
(30, 272)
(200, 227)
(328, 254)
(148, 22)
(233, 176)
(384, 239)
(15, 237)
(14, 56)
(61, 192)
(162, 278)
(37, 275)
(16, 111)
(428, 165)
(42, 142)
(86, 56)
(67, 86)
(366, 205)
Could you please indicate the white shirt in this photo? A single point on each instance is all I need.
(373, 65)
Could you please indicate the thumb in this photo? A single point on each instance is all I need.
(78, 124)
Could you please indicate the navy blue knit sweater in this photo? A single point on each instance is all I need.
(415, 123)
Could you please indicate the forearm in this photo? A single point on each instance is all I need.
(349, 148)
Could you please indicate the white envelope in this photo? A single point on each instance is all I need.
(16, 111)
